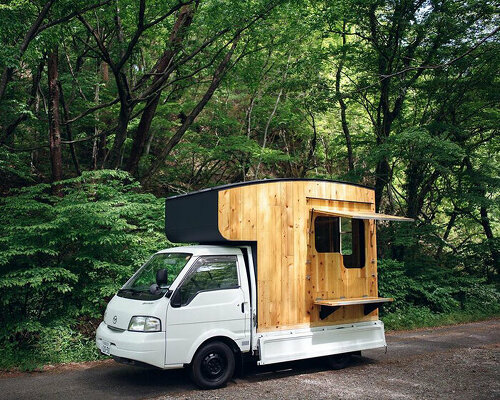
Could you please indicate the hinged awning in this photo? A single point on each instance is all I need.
(361, 215)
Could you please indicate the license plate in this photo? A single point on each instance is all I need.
(105, 347)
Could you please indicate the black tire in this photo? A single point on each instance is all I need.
(339, 361)
(212, 366)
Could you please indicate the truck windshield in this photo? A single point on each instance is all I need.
(138, 287)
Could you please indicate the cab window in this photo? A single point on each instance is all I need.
(209, 273)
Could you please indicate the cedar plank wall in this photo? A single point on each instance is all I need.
(290, 273)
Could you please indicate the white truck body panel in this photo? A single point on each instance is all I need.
(146, 347)
(210, 314)
(283, 346)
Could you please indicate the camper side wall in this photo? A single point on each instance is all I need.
(291, 274)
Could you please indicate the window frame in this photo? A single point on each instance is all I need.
(188, 274)
(361, 242)
(335, 244)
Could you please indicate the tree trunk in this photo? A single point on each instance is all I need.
(495, 255)
(271, 116)
(447, 232)
(96, 126)
(99, 144)
(4, 79)
(104, 69)
(382, 173)
(28, 37)
(389, 47)
(7, 136)
(485, 221)
(414, 179)
(141, 134)
(342, 104)
(115, 155)
(147, 147)
(216, 80)
(266, 129)
(312, 147)
(54, 120)
(69, 134)
(184, 19)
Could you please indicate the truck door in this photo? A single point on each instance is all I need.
(211, 300)
(245, 287)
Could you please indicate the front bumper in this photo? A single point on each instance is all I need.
(145, 347)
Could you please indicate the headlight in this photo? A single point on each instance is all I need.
(144, 324)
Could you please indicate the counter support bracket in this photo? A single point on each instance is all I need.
(371, 307)
(325, 311)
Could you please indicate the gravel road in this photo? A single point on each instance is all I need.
(455, 362)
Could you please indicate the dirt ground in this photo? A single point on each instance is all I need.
(454, 362)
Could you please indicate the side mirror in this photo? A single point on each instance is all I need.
(154, 289)
(162, 277)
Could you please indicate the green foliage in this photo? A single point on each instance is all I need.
(433, 295)
(13, 167)
(420, 317)
(58, 343)
(62, 258)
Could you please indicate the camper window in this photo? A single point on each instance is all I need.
(341, 235)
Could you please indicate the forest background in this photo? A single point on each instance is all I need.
(107, 107)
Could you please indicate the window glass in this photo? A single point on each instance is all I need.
(209, 273)
(346, 236)
(326, 232)
(353, 243)
(138, 287)
(341, 235)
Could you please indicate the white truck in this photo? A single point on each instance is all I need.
(204, 306)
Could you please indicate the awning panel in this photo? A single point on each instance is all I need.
(361, 215)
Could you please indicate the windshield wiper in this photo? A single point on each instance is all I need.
(140, 292)
(129, 290)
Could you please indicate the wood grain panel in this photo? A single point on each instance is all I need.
(291, 275)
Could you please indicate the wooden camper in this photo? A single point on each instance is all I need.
(298, 230)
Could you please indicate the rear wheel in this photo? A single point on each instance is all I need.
(339, 361)
(213, 365)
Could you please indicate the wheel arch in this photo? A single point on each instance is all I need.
(218, 338)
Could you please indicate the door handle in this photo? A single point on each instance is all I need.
(243, 307)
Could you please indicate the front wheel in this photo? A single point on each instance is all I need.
(212, 366)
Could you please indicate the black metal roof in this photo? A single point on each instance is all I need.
(232, 185)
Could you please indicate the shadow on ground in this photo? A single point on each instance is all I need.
(123, 381)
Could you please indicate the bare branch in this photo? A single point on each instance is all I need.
(92, 110)
(443, 65)
(140, 28)
(104, 52)
(66, 18)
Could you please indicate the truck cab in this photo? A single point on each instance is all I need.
(187, 305)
